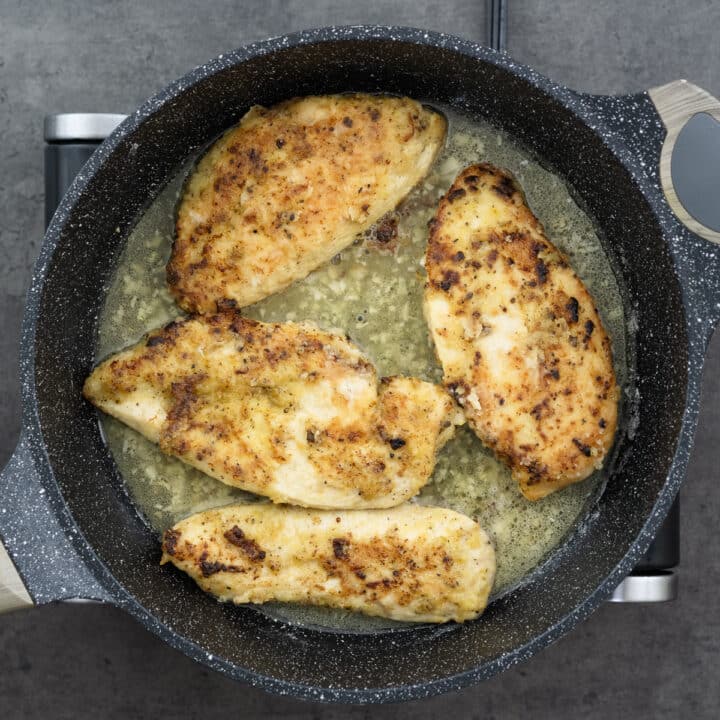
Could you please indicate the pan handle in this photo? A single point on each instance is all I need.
(13, 593)
(690, 155)
(38, 561)
(671, 135)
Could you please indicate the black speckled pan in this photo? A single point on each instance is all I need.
(64, 517)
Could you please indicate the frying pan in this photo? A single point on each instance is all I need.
(68, 525)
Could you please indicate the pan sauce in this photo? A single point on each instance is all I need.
(373, 291)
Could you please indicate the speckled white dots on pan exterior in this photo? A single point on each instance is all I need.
(66, 519)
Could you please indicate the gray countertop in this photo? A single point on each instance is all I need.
(78, 661)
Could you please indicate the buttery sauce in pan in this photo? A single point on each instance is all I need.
(373, 290)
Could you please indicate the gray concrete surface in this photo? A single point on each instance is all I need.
(93, 662)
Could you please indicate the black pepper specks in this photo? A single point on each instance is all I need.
(157, 340)
(225, 304)
(582, 447)
(170, 540)
(386, 231)
(542, 272)
(450, 278)
(235, 536)
(453, 195)
(505, 188)
(340, 548)
(572, 308)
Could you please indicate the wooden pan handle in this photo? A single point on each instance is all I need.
(676, 103)
(13, 594)
(40, 562)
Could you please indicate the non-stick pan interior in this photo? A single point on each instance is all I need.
(177, 122)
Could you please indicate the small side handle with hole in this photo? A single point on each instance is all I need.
(690, 157)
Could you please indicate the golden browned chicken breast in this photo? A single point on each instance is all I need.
(283, 410)
(289, 187)
(408, 563)
(520, 341)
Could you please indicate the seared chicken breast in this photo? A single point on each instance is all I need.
(519, 338)
(410, 563)
(282, 410)
(289, 187)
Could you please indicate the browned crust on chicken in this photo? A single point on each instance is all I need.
(521, 342)
(289, 187)
(409, 563)
(280, 409)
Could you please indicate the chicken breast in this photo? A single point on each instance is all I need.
(410, 563)
(289, 187)
(519, 338)
(282, 410)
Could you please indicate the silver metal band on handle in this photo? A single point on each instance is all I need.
(660, 587)
(79, 127)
